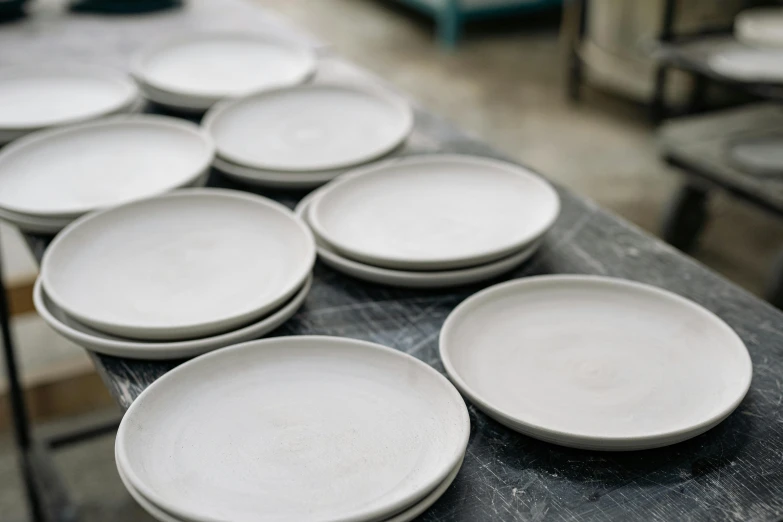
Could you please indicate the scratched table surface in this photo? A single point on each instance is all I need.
(734, 472)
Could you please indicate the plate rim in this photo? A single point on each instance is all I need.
(34, 139)
(98, 324)
(381, 168)
(398, 103)
(138, 61)
(404, 516)
(577, 440)
(109, 74)
(358, 516)
(162, 350)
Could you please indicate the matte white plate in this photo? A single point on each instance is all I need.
(72, 170)
(435, 212)
(760, 65)
(759, 155)
(187, 264)
(274, 179)
(410, 279)
(761, 27)
(36, 97)
(366, 431)
(595, 362)
(96, 341)
(405, 516)
(200, 69)
(309, 127)
(52, 225)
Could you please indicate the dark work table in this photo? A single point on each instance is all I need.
(734, 472)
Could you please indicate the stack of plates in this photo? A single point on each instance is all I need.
(194, 72)
(760, 27)
(302, 137)
(34, 98)
(51, 177)
(595, 362)
(294, 429)
(176, 275)
(431, 221)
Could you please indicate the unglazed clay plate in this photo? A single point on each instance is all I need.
(404, 516)
(68, 171)
(33, 98)
(762, 27)
(410, 279)
(51, 225)
(759, 65)
(595, 362)
(309, 127)
(761, 155)
(188, 264)
(291, 429)
(198, 70)
(96, 341)
(435, 212)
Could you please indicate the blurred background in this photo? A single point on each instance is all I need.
(604, 97)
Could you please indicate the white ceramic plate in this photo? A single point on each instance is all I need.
(72, 170)
(184, 265)
(760, 65)
(33, 98)
(365, 430)
(405, 516)
(137, 106)
(762, 27)
(52, 225)
(200, 69)
(435, 212)
(274, 179)
(410, 279)
(594, 362)
(309, 127)
(759, 155)
(96, 341)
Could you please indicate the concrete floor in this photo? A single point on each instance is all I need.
(504, 84)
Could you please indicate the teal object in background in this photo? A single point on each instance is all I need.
(451, 15)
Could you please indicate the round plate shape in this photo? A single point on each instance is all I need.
(309, 127)
(96, 341)
(365, 430)
(747, 64)
(201, 69)
(69, 171)
(188, 264)
(274, 179)
(410, 279)
(36, 97)
(762, 155)
(762, 27)
(52, 225)
(404, 516)
(594, 362)
(435, 212)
